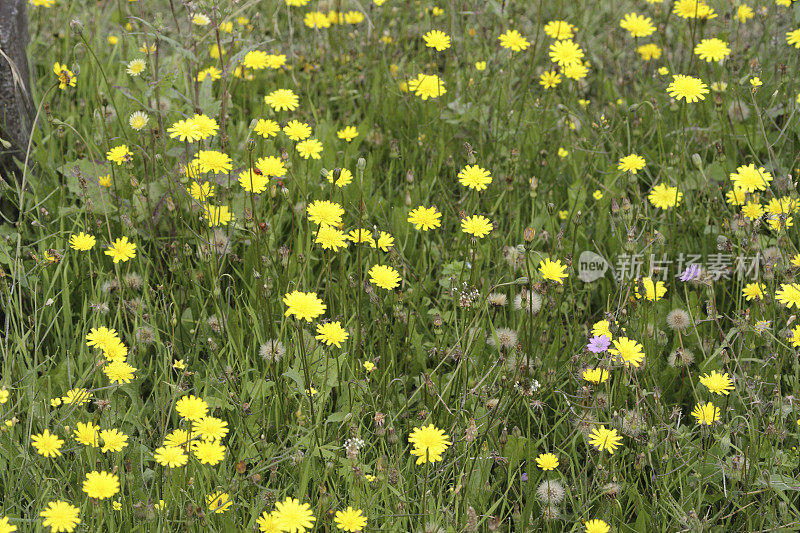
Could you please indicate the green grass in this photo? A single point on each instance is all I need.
(213, 296)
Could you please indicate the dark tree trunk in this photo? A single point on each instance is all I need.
(16, 109)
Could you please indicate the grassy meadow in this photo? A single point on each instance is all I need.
(409, 266)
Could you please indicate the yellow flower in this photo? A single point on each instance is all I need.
(113, 440)
(427, 86)
(310, 149)
(717, 383)
(595, 375)
(559, 29)
(293, 517)
(384, 277)
(687, 88)
(348, 133)
(316, 19)
(266, 128)
(361, 235)
(706, 414)
(325, 213)
(354, 17)
(201, 20)
(119, 154)
(210, 72)
(793, 38)
(547, 461)
(744, 13)
(649, 51)
(60, 516)
(711, 50)
(303, 305)
(514, 41)
(332, 333)
(477, 225)
(138, 120)
(208, 452)
(296, 130)
(82, 242)
(474, 177)
(789, 295)
(170, 456)
(628, 351)
(632, 163)
(341, 178)
(436, 39)
(425, 218)
(480, 65)
(271, 166)
(549, 79)
(385, 241)
(185, 130)
(602, 327)
(191, 407)
(212, 161)
(201, 191)
(87, 434)
(217, 215)
(565, 52)
(267, 523)
(282, 99)
(208, 126)
(596, 526)
(47, 444)
(753, 291)
(255, 182)
(65, 76)
(136, 67)
(219, 502)
(256, 60)
(351, 520)
(121, 250)
(210, 428)
(637, 25)
(752, 210)
(101, 485)
(605, 439)
(553, 270)
(748, 178)
(697, 9)
(215, 51)
(429, 443)
(653, 290)
(331, 238)
(576, 71)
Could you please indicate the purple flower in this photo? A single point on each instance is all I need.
(691, 272)
(599, 344)
(524, 476)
